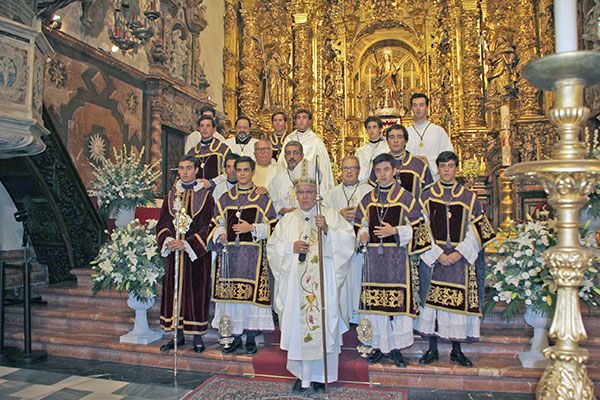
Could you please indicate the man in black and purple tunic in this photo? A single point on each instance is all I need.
(390, 224)
(243, 221)
(452, 271)
(413, 173)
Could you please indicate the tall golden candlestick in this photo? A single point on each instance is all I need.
(567, 178)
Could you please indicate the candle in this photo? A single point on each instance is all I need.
(565, 25)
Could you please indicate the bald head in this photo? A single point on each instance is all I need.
(263, 152)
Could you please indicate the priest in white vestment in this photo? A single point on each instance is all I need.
(281, 187)
(313, 146)
(293, 257)
(266, 167)
(242, 143)
(344, 198)
(377, 145)
(426, 139)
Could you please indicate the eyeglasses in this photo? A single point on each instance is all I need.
(350, 168)
(305, 192)
(259, 149)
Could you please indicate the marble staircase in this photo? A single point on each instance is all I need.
(75, 324)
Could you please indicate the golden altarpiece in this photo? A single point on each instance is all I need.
(347, 59)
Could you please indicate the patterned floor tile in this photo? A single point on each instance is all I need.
(151, 391)
(37, 377)
(67, 394)
(8, 388)
(6, 370)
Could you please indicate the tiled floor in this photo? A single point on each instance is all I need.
(61, 378)
(70, 379)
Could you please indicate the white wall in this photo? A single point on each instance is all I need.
(212, 40)
(11, 231)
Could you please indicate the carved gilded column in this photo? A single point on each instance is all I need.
(529, 102)
(473, 131)
(471, 66)
(303, 61)
(250, 60)
(230, 60)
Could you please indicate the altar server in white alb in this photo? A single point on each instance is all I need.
(374, 147)
(312, 145)
(426, 139)
(294, 259)
(243, 142)
(344, 198)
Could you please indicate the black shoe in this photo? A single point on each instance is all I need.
(318, 387)
(198, 344)
(297, 388)
(429, 357)
(250, 347)
(375, 356)
(170, 345)
(397, 358)
(460, 359)
(237, 342)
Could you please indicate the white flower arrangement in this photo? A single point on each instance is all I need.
(518, 277)
(125, 183)
(130, 261)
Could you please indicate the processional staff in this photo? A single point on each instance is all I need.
(321, 277)
(181, 223)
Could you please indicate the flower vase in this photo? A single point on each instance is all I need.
(534, 357)
(141, 333)
(124, 216)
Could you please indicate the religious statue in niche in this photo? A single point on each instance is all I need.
(388, 81)
(180, 64)
(274, 79)
(502, 69)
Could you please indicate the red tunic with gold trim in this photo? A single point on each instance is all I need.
(413, 174)
(194, 275)
(390, 285)
(211, 158)
(457, 223)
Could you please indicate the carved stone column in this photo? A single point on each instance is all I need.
(302, 70)
(155, 130)
(250, 60)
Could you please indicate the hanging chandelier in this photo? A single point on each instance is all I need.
(132, 27)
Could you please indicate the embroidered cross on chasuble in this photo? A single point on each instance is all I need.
(310, 289)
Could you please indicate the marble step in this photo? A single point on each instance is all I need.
(491, 372)
(78, 319)
(108, 348)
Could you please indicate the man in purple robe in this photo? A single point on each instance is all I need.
(452, 271)
(413, 173)
(243, 220)
(210, 153)
(196, 205)
(390, 227)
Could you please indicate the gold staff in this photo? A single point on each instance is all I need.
(321, 277)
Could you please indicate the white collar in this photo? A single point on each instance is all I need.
(180, 189)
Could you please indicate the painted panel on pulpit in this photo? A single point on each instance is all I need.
(92, 111)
